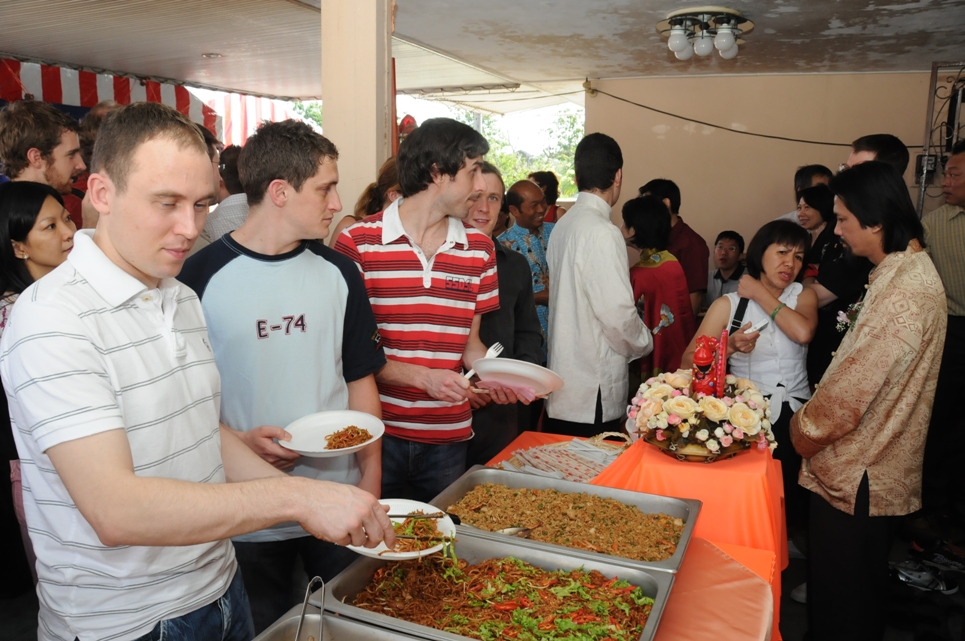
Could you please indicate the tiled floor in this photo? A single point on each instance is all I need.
(913, 615)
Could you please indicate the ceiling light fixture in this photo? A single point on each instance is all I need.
(211, 55)
(700, 30)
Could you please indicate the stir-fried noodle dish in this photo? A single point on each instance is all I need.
(507, 599)
(573, 520)
(347, 437)
(426, 529)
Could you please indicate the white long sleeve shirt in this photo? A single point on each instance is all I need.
(594, 328)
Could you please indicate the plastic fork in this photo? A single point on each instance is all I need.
(494, 350)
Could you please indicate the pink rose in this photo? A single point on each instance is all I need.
(673, 419)
(677, 392)
(738, 399)
(728, 401)
(651, 380)
(700, 395)
(761, 442)
(738, 433)
(686, 391)
(632, 413)
(726, 441)
(661, 436)
(728, 428)
(752, 405)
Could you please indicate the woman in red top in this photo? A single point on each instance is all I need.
(659, 285)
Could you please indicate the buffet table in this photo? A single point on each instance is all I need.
(742, 515)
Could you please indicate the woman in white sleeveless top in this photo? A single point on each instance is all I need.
(774, 358)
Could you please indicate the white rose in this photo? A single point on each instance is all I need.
(648, 409)
(757, 398)
(744, 418)
(712, 445)
(682, 406)
(679, 379)
(658, 421)
(703, 435)
(719, 432)
(713, 408)
(661, 391)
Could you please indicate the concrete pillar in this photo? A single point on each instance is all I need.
(357, 90)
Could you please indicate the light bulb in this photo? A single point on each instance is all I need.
(703, 45)
(728, 54)
(724, 39)
(685, 54)
(678, 39)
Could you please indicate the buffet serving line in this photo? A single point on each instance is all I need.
(558, 536)
(742, 515)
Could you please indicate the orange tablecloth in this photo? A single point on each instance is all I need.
(742, 498)
(716, 596)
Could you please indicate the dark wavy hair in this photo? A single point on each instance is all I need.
(20, 204)
(876, 194)
(776, 232)
(650, 221)
(373, 196)
(441, 145)
(550, 184)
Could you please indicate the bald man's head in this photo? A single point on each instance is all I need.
(527, 204)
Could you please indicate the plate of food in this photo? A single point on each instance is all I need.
(333, 433)
(432, 533)
(519, 375)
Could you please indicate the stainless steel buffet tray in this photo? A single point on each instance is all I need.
(475, 550)
(684, 509)
(336, 629)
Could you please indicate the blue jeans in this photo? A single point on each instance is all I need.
(227, 619)
(268, 568)
(420, 471)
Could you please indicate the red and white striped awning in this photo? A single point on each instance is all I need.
(231, 116)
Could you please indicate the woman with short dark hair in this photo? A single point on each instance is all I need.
(659, 285)
(774, 357)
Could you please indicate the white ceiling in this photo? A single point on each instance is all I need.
(547, 47)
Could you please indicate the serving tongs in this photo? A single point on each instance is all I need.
(321, 612)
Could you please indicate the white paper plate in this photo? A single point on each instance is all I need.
(309, 432)
(515, 373)
(405, 506)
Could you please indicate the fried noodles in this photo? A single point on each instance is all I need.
(573, 520)
(427, 528)
(347, 437)
(504, 598)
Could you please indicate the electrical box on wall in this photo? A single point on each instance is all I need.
(925, 167)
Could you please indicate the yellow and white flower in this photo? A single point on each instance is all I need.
(713, 408)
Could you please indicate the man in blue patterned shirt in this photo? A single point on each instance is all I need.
(530, 236)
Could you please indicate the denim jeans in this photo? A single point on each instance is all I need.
(420, 471)
(268, 568)
(227, 619)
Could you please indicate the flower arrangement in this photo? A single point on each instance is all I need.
(700, 427)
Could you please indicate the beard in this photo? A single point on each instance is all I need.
(62, 184)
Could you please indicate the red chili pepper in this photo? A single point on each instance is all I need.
(548, 623)
(510, 633)
(507, 606)
(626, 590)
(611, 581)
(526, 603)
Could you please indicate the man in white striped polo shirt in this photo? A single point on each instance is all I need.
(430, 277)
(131, 486)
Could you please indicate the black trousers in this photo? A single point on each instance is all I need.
(796, 498)
(847, 571)
(572, 428)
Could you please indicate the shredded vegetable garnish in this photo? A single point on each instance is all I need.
(417, 527)
(507, 599)
(574, 520)
(347, 437)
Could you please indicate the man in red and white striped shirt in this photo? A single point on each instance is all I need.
(430, 277)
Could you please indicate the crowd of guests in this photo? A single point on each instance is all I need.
(152, 351)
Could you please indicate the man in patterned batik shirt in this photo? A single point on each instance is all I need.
(530, 236)
(862, 434)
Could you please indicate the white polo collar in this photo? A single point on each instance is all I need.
(111, 282)
(392, 228)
